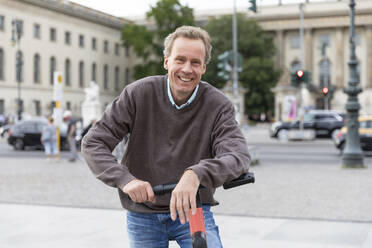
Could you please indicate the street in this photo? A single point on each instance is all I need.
(293, 180)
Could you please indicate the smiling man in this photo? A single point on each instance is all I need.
(181, 130)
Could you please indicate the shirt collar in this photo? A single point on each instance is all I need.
(192, 97)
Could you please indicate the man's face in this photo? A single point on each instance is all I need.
(185, 66)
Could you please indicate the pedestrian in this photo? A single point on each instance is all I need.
(181, 130)
(71, 134)
(49, 140)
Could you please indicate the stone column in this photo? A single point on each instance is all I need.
(308, 40)
(339, 59)
(280, 45)
(369, 56)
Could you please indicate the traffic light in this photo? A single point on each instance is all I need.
(224, 66)
(325, 91)
(253, 6)
(300, 76)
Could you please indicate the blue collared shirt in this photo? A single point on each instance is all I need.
(192, 97)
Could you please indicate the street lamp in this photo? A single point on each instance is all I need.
(352, 155)
(16, 37)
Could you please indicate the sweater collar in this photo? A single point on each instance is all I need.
(192, 97)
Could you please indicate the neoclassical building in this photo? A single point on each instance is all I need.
(82, 43)
(324, 23)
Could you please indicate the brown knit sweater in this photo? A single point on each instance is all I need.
(164, 141)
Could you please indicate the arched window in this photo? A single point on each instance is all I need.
(324, 73)
(117, 78)
(127, 76)
(36, 68)
(81, 74)
(94, 72)
(1, 64)
(19, 67)
(53, 67)
(68, 72)
(105, 77)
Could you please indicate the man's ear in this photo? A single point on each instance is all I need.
(165, 63)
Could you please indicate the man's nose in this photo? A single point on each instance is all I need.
(187, 67)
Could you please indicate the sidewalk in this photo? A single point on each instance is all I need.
(35, 226)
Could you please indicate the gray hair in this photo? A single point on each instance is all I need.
(189, 32)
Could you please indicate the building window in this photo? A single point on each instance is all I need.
(324, 73)
(81, 40)
(1, 64)
(126, 50)
(36, 68)
(295, 42)
(117, 78)
(105, 47)
(94, 72)
(357, 39)
(2, 23)
(52, 69)
(105, 77)
(81, 74)
(2, 107)
(68, 105)
(36, 31)
(68, 72)
(117, 49)
(94, 44)
(37, 107)
(325, 39)
(67, 38)
(20, 22)
(53, 34)
(19, 69)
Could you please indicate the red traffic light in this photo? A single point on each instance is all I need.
(300, 73)
(325, 90)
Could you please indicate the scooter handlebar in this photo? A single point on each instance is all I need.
(243, 179)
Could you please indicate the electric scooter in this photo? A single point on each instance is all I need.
(197, 227)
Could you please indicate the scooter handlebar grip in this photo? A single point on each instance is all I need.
(243, 179)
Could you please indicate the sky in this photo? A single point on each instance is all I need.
(128, 8)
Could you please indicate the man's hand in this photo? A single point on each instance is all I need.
(184, 196)
(139, 191)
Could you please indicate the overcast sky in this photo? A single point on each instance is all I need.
(128, 8)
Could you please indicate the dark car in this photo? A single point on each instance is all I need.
(365, 134)
(325, 123)
(28, 134)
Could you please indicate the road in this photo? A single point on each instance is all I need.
(293, 180)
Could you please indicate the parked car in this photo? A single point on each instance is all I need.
(365, 134)
(325, 123)
(28, 134)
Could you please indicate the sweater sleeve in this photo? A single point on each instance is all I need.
(102, 138)
(229, 149)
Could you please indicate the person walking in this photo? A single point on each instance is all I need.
(49, 140)
(181, 130)
(71, 134)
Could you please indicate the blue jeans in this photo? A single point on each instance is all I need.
(50, 147)
(155, 230)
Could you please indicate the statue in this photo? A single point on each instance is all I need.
(91, 108)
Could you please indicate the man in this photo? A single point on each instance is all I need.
(181, 130)
(71, 134)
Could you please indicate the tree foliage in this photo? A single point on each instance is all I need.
(258, 74)
(147, 42)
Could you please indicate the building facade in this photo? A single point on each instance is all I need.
(325, 26)
(81, 43)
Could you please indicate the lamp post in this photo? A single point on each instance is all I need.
(352, 155)
(16, 37)
(235, 67)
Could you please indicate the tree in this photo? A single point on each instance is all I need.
(147, 43)
(257, 48)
